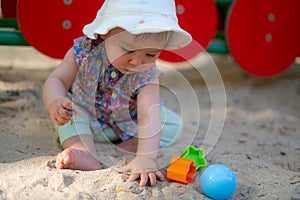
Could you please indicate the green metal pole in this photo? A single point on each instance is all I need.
(218, 46)
(224, 1)
(9, 23)
(12, 38)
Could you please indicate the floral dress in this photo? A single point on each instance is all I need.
(107, 95)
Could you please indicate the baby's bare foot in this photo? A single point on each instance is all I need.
(72, 158)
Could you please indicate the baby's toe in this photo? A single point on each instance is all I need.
(59, 161)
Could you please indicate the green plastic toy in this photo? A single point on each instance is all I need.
(195, 154)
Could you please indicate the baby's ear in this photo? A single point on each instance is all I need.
(103, 37)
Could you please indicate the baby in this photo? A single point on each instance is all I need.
(107, 89)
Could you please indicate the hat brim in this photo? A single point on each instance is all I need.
(146, 24)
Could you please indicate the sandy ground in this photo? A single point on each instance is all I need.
(259, 141)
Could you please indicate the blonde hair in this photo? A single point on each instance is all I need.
(161, 38)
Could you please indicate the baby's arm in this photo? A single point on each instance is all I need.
(55, 89)
(149, 129)
(149, 133)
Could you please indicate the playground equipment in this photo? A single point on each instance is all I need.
(261, 35)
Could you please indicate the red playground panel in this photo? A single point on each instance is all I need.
(9, 8)
(200, 19)
(263, 35)
(50, 26)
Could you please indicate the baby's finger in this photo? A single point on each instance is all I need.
(67, 104)
(144, 179)
(69, 112)
(133, 177)
(60, 119)
(56, 121)
(152, 177)
(65, 114)
(160, 175)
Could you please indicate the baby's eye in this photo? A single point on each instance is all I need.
(150, 55)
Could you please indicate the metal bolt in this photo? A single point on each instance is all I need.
(269, 37)
(271, 17)
(180, 9)
(68, 2)
(67, 24)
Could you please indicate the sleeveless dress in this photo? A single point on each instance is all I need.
(108, 96)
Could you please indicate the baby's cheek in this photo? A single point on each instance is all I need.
(116, 56)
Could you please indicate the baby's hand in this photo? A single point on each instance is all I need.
(61, 110)
(145, 169)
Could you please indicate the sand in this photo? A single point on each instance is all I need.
(259, 136)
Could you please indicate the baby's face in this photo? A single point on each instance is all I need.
(131, 53)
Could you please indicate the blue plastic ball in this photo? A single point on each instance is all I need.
(218, 182)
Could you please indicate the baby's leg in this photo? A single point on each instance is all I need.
(79, 153)
(171, 131)
(128, 146)
(171, 127)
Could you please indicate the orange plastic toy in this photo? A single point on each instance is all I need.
(181, 170)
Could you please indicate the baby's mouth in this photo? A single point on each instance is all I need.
(130, 70)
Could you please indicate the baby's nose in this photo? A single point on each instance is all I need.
(137, 60)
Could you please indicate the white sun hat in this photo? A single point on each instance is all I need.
(139, 16)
